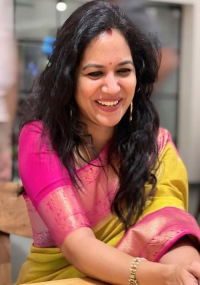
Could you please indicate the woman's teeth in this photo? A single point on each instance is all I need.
(104, 103)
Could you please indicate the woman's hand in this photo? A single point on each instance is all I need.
(188, 274)
(184, 260)
(153, 273)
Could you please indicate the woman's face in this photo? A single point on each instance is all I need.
(106, 81)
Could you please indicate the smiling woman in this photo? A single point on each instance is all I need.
(105, 188)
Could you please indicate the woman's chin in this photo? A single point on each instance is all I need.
(109, 123)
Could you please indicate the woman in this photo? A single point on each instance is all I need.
(105, 188)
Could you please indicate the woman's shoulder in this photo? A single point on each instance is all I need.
(32, 133)
(33, 126)
(33, 129)
(164, 137)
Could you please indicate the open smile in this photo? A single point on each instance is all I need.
(108, 103)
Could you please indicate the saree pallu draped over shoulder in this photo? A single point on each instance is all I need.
(163, 221)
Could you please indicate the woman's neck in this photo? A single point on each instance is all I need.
(100, 136)
(86, 153)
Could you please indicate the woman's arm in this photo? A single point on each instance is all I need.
(183, 251)
(96, 259)
(100, 261)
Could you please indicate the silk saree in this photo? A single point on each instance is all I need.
(55, 211)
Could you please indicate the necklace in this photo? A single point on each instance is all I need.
(88, 154)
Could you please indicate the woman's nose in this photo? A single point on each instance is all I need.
(111, 85)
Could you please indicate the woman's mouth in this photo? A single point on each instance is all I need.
(108, 103)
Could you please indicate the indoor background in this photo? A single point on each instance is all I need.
(36, 23)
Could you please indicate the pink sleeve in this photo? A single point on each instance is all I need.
(48, 185)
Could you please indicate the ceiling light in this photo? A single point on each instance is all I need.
(61, 6)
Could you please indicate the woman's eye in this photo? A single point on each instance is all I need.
(95, 74)
(124, 71)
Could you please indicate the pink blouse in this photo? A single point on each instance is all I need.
(55, 207)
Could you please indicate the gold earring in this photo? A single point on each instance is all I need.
(131, 111)
(70, 113)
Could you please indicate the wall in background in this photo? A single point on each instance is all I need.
(188, 132)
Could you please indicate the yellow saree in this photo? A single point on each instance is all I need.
(163, 222)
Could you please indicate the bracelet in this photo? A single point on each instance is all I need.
(132, 279)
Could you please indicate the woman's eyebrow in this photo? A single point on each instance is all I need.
(92, 65)
(95, 65)
(125, 62)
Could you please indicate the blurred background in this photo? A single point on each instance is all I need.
(177, 98)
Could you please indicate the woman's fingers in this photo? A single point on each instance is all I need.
(194, 269)
(187, 274)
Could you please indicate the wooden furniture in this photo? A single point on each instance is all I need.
(72, 281)
(13, 220)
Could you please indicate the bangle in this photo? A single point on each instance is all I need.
(132, 279)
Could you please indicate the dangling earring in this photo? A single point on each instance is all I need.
(70, 113)
(131, 111)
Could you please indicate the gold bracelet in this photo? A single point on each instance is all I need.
(132, 279)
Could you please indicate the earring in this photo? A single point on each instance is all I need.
(70, 113)
(131, 111)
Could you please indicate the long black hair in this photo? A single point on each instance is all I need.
(52, 97)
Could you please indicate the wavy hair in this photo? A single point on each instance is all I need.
(52, 96)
